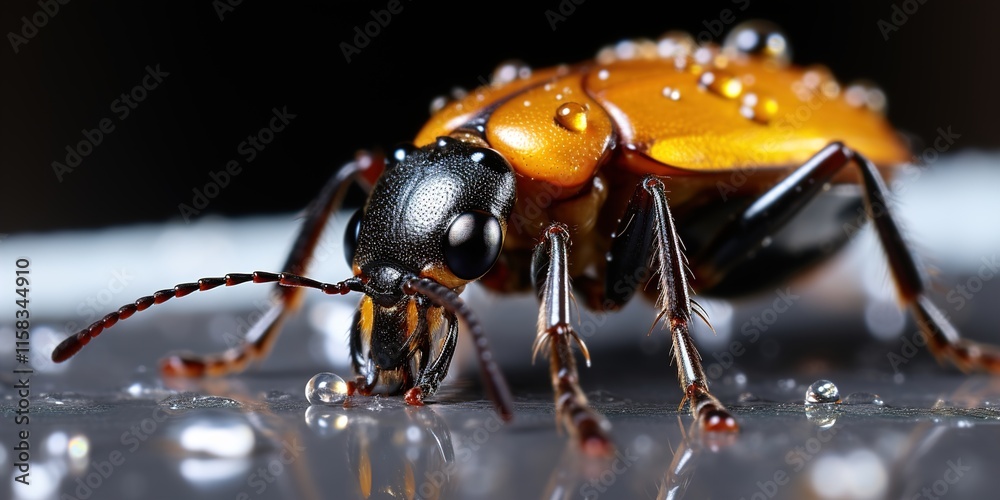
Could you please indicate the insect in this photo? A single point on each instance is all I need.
(582, 181)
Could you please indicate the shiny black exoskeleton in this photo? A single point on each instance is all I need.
(438, 212)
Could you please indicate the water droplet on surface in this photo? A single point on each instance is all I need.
(761, 38)
(326, 389)
(721, 83)
(823, 416)
(863, 398)
(786, 384)
(326, 421)
(822, 392)
(739, 379)
(603, 74)
(573, 116)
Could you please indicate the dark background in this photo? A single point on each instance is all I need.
(938, 70)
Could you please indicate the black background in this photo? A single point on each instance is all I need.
(939, 69)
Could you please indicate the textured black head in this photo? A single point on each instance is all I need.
(437, 212)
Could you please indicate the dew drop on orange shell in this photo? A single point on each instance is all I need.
(864, 93)
(675, 44)
(721, 83)
(573, 116)
(510, 71)
(759, 38)
(758, 108)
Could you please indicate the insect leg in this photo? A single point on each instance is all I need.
(772, 210)
(431, 376)
(647, 232)
(261, 337)
(551, 279)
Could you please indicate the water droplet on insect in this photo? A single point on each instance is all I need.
(760, 38)
(822, 392)
(626, 49)
(721, 83)
(326, 389)
(438, 103)
(675, 44)
(509, 71)
(603, 74)
(671, 93)
(864, 93)
(703, 55)
(606, 55)
(863, 398)
(760, 109)
(573, 116)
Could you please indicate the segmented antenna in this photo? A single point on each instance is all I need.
(67, 348)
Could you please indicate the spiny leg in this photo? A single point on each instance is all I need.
(264, 332)
(647, 237)
(776, 207)
(551, 280)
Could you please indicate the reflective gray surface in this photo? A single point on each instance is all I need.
(105, 425)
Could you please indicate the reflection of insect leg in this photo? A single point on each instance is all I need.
(551, 277)
(645, 238)
(262, 335)
(772, 210)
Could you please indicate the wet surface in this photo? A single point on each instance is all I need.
(106, 425)
(256, 435)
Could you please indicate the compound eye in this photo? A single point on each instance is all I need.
(472, 244)
(351, 236)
